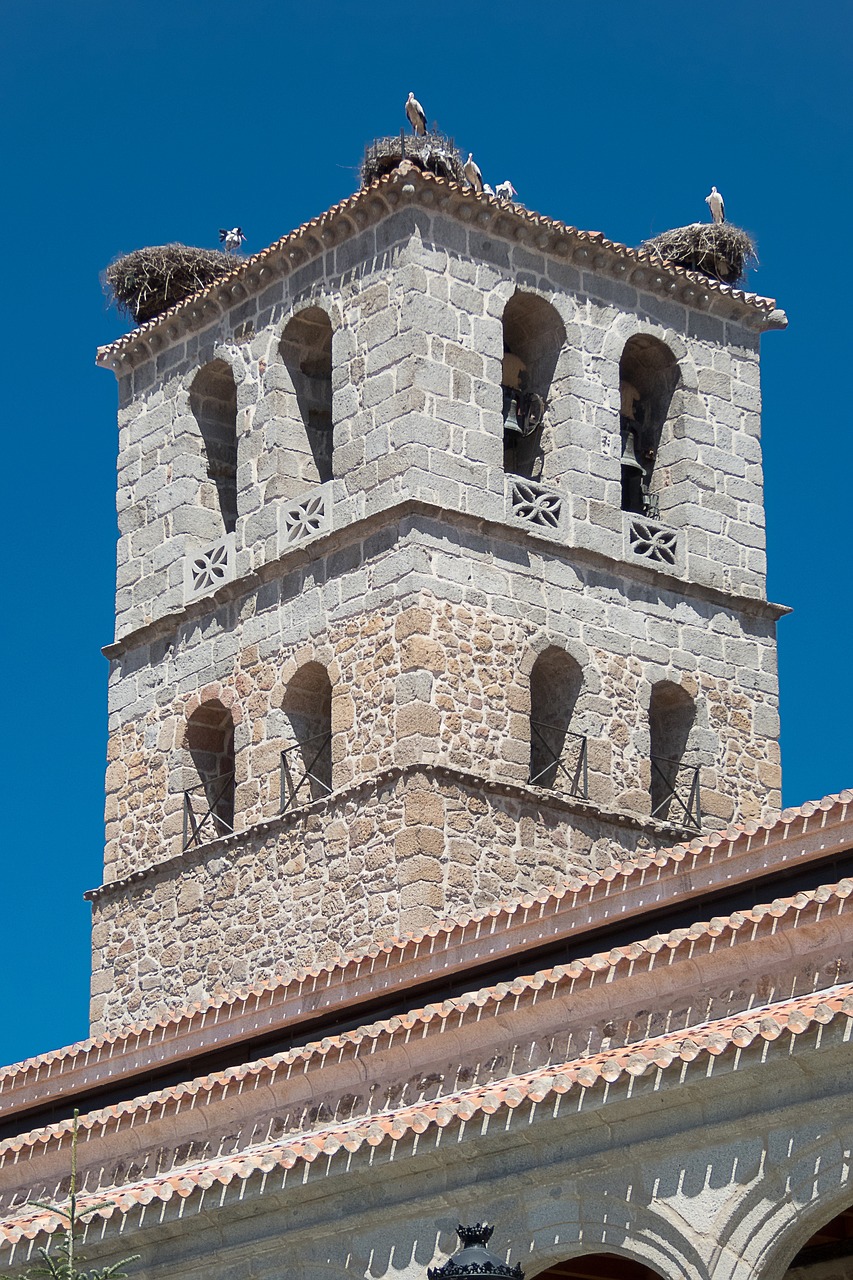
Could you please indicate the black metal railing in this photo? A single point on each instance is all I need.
(572, 764)
(675, 792)
(311, 752)
(205, 807)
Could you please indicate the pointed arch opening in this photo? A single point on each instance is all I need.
(306, 765)
(533, 337)
(648, 377)
(306, 349)
(209, 778)
(557, 753)
(213, 403)
(674, 781)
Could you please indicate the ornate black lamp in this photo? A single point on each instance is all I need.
(474, 1259)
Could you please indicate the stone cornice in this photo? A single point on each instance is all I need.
(357, 530)
(535, 796)
(407, 186)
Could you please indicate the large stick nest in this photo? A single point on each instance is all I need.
(717, 249)
(147, 282)
(433, 153)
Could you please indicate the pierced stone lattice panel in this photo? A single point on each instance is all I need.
(654, 542)
(534, 504)
(306, 516)
(204, 571)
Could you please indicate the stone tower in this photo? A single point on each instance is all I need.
(441, 577)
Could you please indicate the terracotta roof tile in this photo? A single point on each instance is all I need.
(792, 823)
(309, 240)
(213, 1086)
(659, 1053)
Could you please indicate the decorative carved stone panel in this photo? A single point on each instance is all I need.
(533, 504)
(305, 517)
(654, 542)
(206, 570)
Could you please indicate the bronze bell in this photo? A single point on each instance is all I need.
(629, 452)
(511, 422)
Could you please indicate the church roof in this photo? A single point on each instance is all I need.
(348, 218)
(587, 901)
(766, 1027)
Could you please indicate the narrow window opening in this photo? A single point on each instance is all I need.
(306, 349)
(674, 782)
(209, 795)
(213, 402)
(648, 376)
(533, 336)
(306, 765)
(557, 754)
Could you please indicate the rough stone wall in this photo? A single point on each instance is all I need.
(446, 681)
(367, 864)
(415, 306)
(423, 593)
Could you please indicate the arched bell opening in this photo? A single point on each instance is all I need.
(674, 780)
(213, 403)
(306, 349)
(208, 774)
(648, 377)
(534, 335)
(557, 754)
(306, 765)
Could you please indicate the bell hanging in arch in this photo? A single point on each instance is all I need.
(630, 461)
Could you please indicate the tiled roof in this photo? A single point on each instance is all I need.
(620, 892)
(826, 902)
(502, 217)
(771, 1023)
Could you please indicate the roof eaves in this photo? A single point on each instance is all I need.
(765, 1026)
(587, 249)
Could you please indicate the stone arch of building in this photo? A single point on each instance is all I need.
(534, 383)
(596, 1244)
(789, 1227)
(307, 760)
(212, 394)
(208, 773)
(652, 382)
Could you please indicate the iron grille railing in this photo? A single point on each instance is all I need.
(203, 805)
(311, 752)
(574, 769)
(676, 785)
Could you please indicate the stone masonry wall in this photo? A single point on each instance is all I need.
(415, 304)
(429, 633)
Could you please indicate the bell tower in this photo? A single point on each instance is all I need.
(440, 576)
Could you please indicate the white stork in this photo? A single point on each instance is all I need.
(505, 190)
(472, 172)
(415, 112)
(487, 190)
(715, 203)
(232, 239)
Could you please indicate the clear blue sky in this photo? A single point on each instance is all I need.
(134, 123)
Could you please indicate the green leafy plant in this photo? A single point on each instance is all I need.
(64, 1262)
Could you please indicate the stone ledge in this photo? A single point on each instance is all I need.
(667, 832)
(360, 529)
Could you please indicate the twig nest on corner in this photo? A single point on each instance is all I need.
(719, 250)
(145, 283)
(432, 153)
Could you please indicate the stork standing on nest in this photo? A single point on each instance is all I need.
(715, 203)
(232, 239)
(472, 172)
(417, 118)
